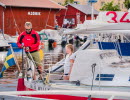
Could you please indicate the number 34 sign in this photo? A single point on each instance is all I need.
(115, 17)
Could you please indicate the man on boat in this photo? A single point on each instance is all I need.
(29, 40)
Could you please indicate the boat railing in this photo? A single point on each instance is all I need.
(50, 59)
(109, 95)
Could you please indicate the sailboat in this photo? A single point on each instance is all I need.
(97, 66)
(5, 40)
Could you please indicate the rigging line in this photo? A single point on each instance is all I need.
(48, 18)
(115, 45)
(116, 48)
(93, 73)
(100, 42)
(100, 63)
(45, 77)
(118, 43)
(15, 20)
(119, 49)
(2, 30)
(50, 26)
(126, 38)
(3, 34)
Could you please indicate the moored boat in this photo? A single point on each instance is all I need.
(94, 68)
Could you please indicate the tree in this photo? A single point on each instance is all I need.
(68, 1)
(110, 7)
(127, 4)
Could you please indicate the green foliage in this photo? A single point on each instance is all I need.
(68, 1)
(110, 7)
(127, 4)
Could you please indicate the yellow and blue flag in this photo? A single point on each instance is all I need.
(9, 61)
(15, 47)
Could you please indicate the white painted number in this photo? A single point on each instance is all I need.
(34, 13)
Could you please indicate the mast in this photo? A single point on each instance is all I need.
(3, 18)
(3, 21)
(92, 13)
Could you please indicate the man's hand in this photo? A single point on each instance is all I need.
(22, 46)
(27, 48)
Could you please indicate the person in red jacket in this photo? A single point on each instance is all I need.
(30, 41)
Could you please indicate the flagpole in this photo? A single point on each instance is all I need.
(15, 59)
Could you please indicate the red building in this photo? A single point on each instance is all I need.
(14, 13)
(75, 14)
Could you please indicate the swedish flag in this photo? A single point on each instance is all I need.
(9, 61)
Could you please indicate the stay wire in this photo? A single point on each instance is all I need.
(93, 73)
(14, 20)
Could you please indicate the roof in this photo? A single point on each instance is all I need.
(32, 3)
(87, 9)
(1, 4)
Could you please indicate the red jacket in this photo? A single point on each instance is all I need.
(29, 40)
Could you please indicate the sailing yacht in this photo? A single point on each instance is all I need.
(100, 64)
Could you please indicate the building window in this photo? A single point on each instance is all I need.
(69, 21)
(76, 2)
(102, 3)
(122, 6)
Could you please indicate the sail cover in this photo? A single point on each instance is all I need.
(109, 71)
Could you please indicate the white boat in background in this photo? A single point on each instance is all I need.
(4, 45)
(52, 34)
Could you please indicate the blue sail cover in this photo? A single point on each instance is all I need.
(122, 48)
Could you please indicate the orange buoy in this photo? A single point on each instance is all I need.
(54, 44)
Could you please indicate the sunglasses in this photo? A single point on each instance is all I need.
(28, 29)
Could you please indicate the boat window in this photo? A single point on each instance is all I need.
(105, 77)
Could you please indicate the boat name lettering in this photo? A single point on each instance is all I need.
(105, 55)
(36, 87)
